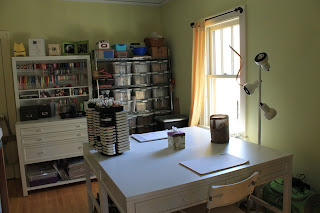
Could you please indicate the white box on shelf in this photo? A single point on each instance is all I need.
(36, 47)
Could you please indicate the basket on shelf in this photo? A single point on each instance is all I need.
(154, 42)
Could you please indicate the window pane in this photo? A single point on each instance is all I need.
(224, 97)
(236, 47)
(217, 52)
(226, 32)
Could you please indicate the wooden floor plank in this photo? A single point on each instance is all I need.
(70, 198)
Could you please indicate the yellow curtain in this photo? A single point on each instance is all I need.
(198, 75)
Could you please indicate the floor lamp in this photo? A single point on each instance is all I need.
(269, 113)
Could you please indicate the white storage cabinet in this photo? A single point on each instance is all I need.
(52, 138)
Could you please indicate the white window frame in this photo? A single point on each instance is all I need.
(242, 52)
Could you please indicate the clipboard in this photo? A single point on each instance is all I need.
(150, 136)
(214, 163)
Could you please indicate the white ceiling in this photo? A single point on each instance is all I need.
(135, 2)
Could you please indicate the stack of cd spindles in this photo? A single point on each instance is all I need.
(96, 125)
(107, 134)
(110, 126)
(122, 132)
(89, 114)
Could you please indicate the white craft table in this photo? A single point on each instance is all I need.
(149, 179)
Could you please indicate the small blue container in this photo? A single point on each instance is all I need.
(120, 47)
(139, 50)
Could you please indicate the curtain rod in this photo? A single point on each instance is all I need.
(240, 9)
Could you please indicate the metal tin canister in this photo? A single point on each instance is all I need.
(219, 128)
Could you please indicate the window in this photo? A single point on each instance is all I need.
(223, 94)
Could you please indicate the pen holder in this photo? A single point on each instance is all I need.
(219, 128)
(176, 140)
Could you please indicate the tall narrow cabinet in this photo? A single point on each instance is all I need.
(59, 82)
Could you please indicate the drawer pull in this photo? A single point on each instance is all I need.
(42, 140)
(41, 153)
(80, 147)
(79, 126)
(80, 134)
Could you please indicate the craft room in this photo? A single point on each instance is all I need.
(147, 106)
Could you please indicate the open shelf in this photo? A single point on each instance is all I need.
(59, 183)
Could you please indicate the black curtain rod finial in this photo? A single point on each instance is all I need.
(192, 24)
(240, 9)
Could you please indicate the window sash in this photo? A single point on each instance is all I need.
(231, 19)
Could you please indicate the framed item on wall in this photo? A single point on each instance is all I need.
(36, 47)
(82, 47)
(54, 49)
(68, 48)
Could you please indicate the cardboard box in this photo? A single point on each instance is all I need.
(158, 52)
(100, 54)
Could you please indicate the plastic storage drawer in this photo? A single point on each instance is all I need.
(141, 67)
(160, 77)
(127, 106)
(161, 103)
(120, 67)
(122, 94)
(143, 105)
(143, 119)
(156, 66)
(142, 93)
(141, 78)
(122, 80)
(132, 119)
(160, 91)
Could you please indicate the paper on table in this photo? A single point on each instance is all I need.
(213, 163)
(151, 136)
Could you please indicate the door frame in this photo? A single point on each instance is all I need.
(8, 79)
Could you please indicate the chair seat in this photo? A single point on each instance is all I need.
(202, 208)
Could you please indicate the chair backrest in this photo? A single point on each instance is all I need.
(224, 195)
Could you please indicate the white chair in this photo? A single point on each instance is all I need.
(222, 198)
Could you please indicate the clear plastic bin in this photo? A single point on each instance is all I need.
(132, 130)
(160, 91)
(161, 103)
(142, 93)
(141, 67)
(164, 66)
(120, 67)
(45, 173)
(132, 119)
(156, 66)
(122, 94)
(143, 105)
(143, 119)
(127, 106)
(141, 78)
(160, 77)
(122, 80)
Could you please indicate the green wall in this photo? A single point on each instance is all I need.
(58, 20)
(289, 32)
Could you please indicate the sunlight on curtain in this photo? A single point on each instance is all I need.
(198, 75)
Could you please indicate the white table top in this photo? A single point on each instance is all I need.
(151, 166)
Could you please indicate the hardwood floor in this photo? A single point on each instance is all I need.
(70, 198)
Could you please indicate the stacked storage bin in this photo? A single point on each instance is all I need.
(160, 76)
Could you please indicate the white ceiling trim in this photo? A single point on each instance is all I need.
(133, 2)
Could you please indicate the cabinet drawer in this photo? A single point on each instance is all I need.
(52, 129)
(41, 153)
(176, 200)
(54, 137)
